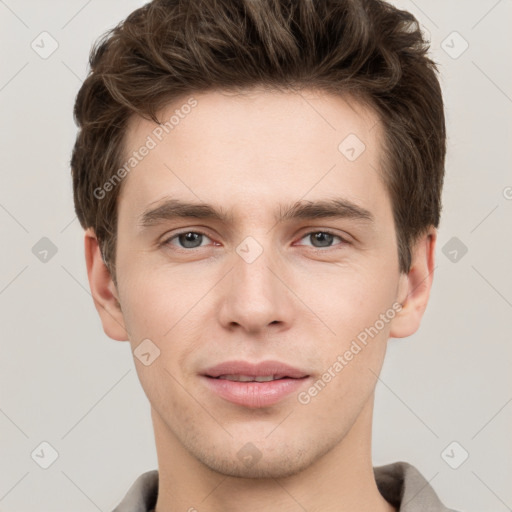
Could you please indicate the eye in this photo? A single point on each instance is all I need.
(322, 239)
(194, 239)
(186, 240)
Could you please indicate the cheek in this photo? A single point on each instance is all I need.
(353, 336)
(158, 306)
(350, 363)
(348, 299)
(151, 300)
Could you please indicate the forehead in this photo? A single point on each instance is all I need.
(247, 149)
(251, 112)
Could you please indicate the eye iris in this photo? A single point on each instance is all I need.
(189, 239)
(322, 237)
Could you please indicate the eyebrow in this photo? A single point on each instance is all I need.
(171, 209)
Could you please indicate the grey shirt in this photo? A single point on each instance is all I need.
(399, 483)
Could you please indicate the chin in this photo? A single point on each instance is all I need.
(250, 462)
(263, 469)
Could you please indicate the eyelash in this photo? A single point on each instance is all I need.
(167, 241)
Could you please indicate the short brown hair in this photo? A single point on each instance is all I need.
(169, 48)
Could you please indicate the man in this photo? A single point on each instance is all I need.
(260, 184)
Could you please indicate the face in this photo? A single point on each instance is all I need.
(263, 279)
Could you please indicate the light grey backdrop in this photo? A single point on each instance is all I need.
(444, 393)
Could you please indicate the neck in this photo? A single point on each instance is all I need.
(340, 480)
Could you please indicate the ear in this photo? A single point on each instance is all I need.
(414, 287)
(103, 290)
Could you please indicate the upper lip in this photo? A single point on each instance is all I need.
(262, 369)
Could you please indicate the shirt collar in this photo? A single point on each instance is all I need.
(406, 488)
(400, 483)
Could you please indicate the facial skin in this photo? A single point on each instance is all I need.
(251, 155)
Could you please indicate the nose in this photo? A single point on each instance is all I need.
(256, 296)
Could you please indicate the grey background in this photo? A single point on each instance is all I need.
(64, 382)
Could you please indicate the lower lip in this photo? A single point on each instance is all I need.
(254, 394)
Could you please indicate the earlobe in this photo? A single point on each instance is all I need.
(415, 286)
(103, 290)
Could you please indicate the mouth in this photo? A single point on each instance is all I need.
(254, 385)
(243, 371)
(253, 378)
